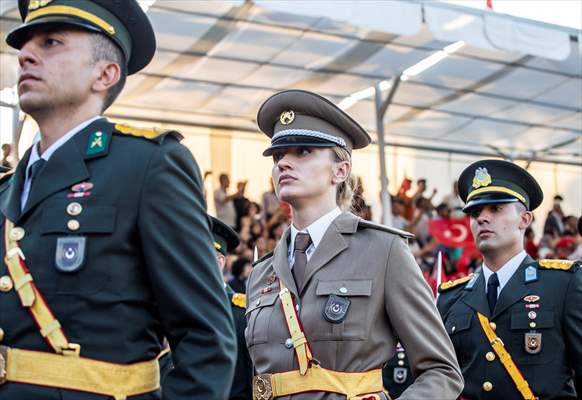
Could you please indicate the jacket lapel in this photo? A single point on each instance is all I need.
(476, 297)
(331, 244)
(514, 290)
(10, 203)
(281, 263)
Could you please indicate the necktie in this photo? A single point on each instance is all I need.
(492, 285)
(35, 169)
(302, 242)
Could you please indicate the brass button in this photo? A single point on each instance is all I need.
(1, 334)
(17, 233)
(74, 209)
(453, 329)
(73, 225)
(401, 363)
(490, 356)
(487, 386)
(493, 325)
(532, 325)
(289, 343)
(401, 356)
(6, 284)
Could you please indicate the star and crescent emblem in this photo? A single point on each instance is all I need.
(482, 178)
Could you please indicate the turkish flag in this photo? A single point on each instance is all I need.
(453, 232)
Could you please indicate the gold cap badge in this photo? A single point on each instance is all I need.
(36, 4)
(287, 117)
(482, 178)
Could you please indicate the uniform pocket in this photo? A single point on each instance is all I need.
(258, 314)
(541, 328)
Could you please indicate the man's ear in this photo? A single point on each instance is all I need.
(107, 75)
(526, 218)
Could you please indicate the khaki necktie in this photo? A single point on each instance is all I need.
(302, 242)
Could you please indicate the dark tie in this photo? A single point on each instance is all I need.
(492, 285)
(35, 168)
(302, 242)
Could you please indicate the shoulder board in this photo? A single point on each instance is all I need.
(451, 284)
(157, 135)
(6, 178)
(367, 224)
(564, 265)
(239, 300)
(263, 258)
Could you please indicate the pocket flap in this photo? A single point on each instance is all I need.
(93, 219)
(458, 323)
(521, 320)
(359, 287)
(263, 300)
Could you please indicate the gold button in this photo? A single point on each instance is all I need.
(400, 362)
(6, 284)
(73, 225)
(74, 209)
(493, 325)
(532, 325)
(17, 233)
(401, 356)
(1, 334)
(487, 386)
(490, 356)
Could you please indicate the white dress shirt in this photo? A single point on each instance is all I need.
(316, 231)
(504, 273)
(34, 156)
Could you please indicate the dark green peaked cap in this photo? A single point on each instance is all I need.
(225, 238)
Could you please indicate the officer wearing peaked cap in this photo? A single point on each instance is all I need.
(97, 261)
(325, 309)
(226, 240)
(517, 325)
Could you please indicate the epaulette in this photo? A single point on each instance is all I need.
(564, 265)
(367, 224)
(263, 258)
(239, 300)
(157, 135)
(451, 284)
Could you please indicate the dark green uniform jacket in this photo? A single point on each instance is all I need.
(537, 302)
(243, 374)
(148, 268)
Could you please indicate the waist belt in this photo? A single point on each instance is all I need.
(77, 373)
(354, 385)
(506, 360)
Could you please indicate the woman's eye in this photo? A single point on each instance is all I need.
(303, 151)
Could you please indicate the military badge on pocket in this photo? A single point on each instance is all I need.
(336, 309)
(533, 342)
(70, 254)
(400, 375)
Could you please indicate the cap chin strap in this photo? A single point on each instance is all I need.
(309, 133)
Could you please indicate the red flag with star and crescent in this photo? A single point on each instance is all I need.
(453, 232)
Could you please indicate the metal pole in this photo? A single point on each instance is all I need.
(381, 108)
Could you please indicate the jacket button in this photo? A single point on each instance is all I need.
(401, 363)
(73, 225)
(532, 325)
(289, 343)
(487, 386)
(6, 284)
(401, 355)
(493, 325)
(74, 209)
(490, 356)
(1, 334)
(17, 233)
(343, 290)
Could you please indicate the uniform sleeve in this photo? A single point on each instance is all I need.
(181, 266)
(573, 326)
(414, 317)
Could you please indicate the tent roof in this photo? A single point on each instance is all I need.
(217, 61)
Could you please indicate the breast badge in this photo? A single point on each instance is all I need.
(336, 309)
(70, 254)
(533, 342)
(400, 375)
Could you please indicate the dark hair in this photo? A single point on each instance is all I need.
(238, 266)
(105, 49)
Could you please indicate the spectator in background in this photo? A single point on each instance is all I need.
(7, 156)
(452, 199)
(225, 210)
(530, 246)
(240, 202)
(270, 202)
(570, 223)
(241, 269)
(398, 221)
(554, 221)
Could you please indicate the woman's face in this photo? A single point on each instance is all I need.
(304, 174)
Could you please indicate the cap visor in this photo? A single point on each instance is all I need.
(487, 200)
(269, 151)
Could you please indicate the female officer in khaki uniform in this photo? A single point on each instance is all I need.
(326, 309)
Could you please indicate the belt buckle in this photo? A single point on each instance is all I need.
(3, 362)
(262, 387)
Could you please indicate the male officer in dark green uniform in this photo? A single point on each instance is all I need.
(517, 325)
(225, 240)
(106, 247)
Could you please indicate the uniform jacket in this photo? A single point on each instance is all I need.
(243, 374)
(390, 302)
(558, 318)
(149, 269)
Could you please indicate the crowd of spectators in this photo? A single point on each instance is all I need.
(438, 228)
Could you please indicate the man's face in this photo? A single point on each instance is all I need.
(499, 227)
(57, 69)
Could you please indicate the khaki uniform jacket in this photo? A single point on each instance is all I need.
(390, 301)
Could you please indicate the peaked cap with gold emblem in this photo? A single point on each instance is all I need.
(225, 238)
(298, 118)
(122, 21)
(498, 181)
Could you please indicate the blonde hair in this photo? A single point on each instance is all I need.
(344, 196)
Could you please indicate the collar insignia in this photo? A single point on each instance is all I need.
(97, 143)
(482, 178)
